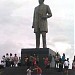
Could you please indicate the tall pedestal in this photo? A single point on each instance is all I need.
(40, 52)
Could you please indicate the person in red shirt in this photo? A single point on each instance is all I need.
(38, 70)
(34, 61)
(47, 63)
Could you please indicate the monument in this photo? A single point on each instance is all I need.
(41, 13)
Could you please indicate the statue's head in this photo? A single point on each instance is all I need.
(41, 1)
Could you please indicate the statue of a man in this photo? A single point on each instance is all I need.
(41, 13)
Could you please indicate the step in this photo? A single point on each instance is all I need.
(22, 71)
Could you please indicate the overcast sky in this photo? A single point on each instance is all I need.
(16, 17)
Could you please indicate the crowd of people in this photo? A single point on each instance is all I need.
(34, 60)
(61, 62)
(9, 60)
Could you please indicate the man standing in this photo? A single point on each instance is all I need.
(66, 65)
(41, 13)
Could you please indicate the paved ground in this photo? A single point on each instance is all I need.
(22, 71)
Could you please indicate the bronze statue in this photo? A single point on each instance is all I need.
(41, 13)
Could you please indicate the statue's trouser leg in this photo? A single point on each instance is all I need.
(44, 39)
(37, 39)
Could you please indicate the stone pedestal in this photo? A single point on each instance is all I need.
(40, 52)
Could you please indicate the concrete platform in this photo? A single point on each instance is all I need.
(22, 71)
(41, 52)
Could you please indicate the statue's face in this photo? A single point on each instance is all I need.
(41, 1)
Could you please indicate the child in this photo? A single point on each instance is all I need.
(29, 71)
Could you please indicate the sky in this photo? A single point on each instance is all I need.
(16, 17)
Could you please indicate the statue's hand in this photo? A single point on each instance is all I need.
(32, 26)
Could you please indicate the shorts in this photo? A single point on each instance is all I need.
(66, 67)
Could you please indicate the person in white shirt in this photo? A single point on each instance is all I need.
(16, 60)
(29, 71)
(11, 60)
(66, 66)
(7, 60)
(4, 61)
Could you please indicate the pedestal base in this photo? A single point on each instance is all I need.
(40, 52)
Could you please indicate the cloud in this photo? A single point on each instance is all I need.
(6, 8)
